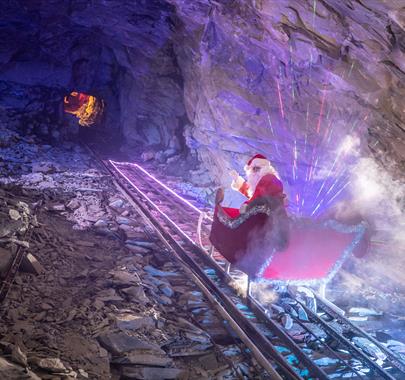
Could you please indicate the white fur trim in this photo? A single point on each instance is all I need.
(266, 166)
(259, 162)
(237, 183)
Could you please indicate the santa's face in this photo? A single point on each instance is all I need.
(253, 175)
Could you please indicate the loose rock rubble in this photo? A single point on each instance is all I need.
(16, 220)
(104, 299)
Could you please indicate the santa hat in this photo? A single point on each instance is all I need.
(257, 160)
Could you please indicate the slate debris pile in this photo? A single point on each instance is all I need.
(378, 293)
(294, 314)
(27, 155)
(16, 222)
(104, 299)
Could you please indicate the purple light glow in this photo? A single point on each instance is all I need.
(315, 167)
(315, 173)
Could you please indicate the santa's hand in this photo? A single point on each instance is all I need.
(243, 208)
(234, 174)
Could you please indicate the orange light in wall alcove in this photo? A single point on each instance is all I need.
(86, 108)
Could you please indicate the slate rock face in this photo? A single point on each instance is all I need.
(13, 372)
(251, 66)
(119, 343)
(228, 78)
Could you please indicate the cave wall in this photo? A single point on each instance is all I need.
(119, 51)
(149, 85)
(229, 78)
(316, 86)
(344, 59)
(237, 70)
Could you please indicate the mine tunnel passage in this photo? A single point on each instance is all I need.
(87, 108)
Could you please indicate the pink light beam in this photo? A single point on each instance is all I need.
(150, 200)
(114, 163)
(280, 100)
(318, 127)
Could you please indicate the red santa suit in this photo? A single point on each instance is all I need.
(238, 236)
(263, 241)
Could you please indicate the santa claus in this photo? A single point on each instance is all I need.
(261, 240)
(262, 180)
(241, 234)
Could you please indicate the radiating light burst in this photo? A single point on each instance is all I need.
(270, 124)
(280, 99)
(318, 127)
(313, 14)
(318, 156)
(339, 164)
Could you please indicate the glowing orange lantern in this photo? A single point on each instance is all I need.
(86, 108)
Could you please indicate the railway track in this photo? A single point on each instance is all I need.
(9, 277)
(301, 336)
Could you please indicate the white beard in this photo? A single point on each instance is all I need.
(253, 179)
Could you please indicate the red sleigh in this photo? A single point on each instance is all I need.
(266, 243)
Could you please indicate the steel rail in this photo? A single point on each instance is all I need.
(260, 341)
(219, 300)
(152, 232)
(181, 200)
(330, 349)
(394, 360)
(347, 344)
(217, 305)
(284, 337)
(161, 184)
(178, 202)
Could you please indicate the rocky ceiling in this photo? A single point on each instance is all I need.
(229, 78)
